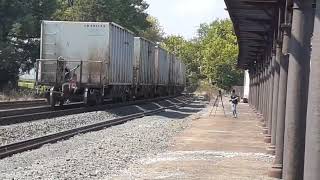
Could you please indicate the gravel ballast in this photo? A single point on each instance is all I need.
(28, 130)
(23, 131)
(101, 154)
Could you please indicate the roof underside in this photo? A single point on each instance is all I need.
(254, 22)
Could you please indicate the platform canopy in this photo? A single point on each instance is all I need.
(254, 23)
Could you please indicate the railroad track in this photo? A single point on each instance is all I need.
(14, 148)
(20, 115)
(22, 104)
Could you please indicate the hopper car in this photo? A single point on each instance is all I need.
(94, 61)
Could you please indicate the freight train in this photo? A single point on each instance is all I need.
(94, 61)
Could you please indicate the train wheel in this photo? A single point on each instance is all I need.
(86, 96)
(99, 99)
(124, 98)
(53, 98)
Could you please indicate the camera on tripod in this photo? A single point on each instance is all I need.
(216, 103)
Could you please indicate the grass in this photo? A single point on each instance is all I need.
(25, 91)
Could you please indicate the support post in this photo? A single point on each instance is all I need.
(266, 91)
(271, 91)
(312, 149)
(276, 170)
(297, 90)
(265, 129)
(275, 98)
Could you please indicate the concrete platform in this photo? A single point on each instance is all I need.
(216, 147)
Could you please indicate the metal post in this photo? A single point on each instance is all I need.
(275, 98)
(271, 91)
(297, 90)
(261, 89)
(276, 170)
(249, 88)
(255, 90)
(266, 92)
(272, 148)
(312, 149)
(265, 130)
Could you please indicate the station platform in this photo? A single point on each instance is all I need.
(216, 146)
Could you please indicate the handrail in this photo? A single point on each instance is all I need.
(69, 60)
(81, 63)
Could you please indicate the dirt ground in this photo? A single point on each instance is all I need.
(213, 147)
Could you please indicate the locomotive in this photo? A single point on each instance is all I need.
(94, 61)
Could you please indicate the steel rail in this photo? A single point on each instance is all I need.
(37, 109)
(17, 104)
(18, 147)
(45, 112)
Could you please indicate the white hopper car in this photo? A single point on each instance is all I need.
(93, 61)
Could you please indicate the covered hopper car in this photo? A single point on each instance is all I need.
(93, 61)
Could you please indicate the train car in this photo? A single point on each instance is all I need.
(92, 61)
(85, 61)
(162, 59)
(144, 68)
(172, 74)
(177, 77)
(180, 76)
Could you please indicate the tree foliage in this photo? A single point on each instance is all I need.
(20, 28)
(128, 13)
(154, 32)
(212, 55)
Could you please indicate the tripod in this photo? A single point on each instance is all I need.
(216, 104)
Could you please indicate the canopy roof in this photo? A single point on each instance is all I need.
(254, 23)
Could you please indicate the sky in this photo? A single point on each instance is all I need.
(183, 17)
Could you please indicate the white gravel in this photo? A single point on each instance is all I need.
(23, 131)
(101, 154)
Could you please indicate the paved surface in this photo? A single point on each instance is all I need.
(213, 147)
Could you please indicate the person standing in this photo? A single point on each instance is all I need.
(234, 102)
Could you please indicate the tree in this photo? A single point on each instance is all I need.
(154, 32)
(220, 52)
(20, 29)
(212, 55)
(128, 13)
(189, 52)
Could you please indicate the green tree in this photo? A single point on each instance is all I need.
(189, 52)
(220, 53)
(212, 55)
(154, 32)
(128, 13)
(19, 32)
